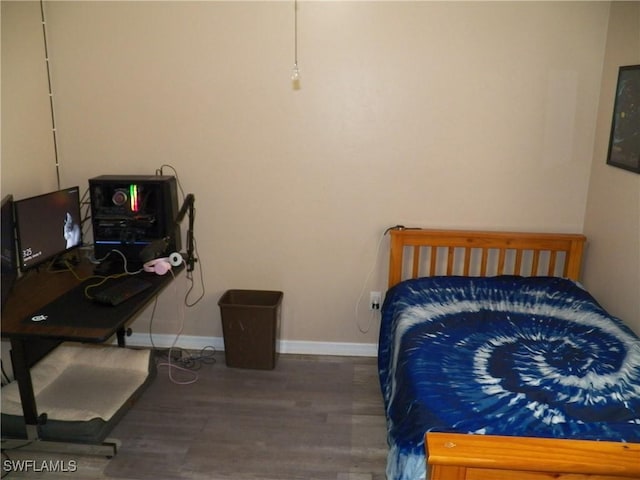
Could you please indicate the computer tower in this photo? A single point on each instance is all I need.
(128, 212)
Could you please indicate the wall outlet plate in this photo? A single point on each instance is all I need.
(375, 299)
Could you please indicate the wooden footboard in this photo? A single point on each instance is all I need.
(488, 457)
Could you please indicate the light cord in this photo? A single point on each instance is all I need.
(295, 32)
(295, 75)
(51, 106)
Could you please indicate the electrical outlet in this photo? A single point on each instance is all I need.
(374, 300)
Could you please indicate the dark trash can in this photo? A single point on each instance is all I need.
(250, 324)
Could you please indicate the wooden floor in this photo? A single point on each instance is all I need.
(311, 418)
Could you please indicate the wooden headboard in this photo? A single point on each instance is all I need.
(421, 252)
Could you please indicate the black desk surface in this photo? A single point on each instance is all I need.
(70, 315)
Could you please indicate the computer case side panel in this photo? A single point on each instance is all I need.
(128, 212)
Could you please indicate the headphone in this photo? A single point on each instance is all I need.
(164, 264)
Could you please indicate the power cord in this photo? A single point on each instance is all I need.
(192, 360)
(98, 261)
(366, 328)
(192, 282)
(176, 358)
(160, 171)
(366, 282)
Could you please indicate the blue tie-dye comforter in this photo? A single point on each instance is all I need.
(503, 356)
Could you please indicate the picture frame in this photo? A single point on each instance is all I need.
(624, 141)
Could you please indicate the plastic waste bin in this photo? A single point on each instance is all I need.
(250, 325)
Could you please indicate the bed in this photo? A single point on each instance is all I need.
(495, 363)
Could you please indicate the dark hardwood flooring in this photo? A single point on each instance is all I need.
(311, 418)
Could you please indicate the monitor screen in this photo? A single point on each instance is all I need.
(8, 259)
(47, 226)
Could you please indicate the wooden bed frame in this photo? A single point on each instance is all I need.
(417, 253)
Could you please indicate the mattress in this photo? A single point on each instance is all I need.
(504, 355)
(83, 389)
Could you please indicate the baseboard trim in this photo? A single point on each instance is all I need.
(192, 342)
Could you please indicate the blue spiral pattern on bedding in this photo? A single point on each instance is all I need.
(504, 356)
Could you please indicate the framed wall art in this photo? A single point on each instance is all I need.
(624, 143)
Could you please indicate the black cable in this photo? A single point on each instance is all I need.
(86, 202)
(400, 227)
(188, 360)
(25, 444)
(190, 278)
(160, 171)
(175, 173)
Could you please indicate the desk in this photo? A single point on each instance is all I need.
(82, 321)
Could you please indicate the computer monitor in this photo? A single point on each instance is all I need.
(8, 258)
(47, 226)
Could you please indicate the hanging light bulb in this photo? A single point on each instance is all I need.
(295, 76)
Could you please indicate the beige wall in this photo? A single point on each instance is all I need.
(433, 114)
(612, 221)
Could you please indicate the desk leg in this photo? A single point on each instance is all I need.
(22, 375)
(120, 334)
(108, 448)
(25, 386)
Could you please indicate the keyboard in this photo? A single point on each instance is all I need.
(121, 291)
